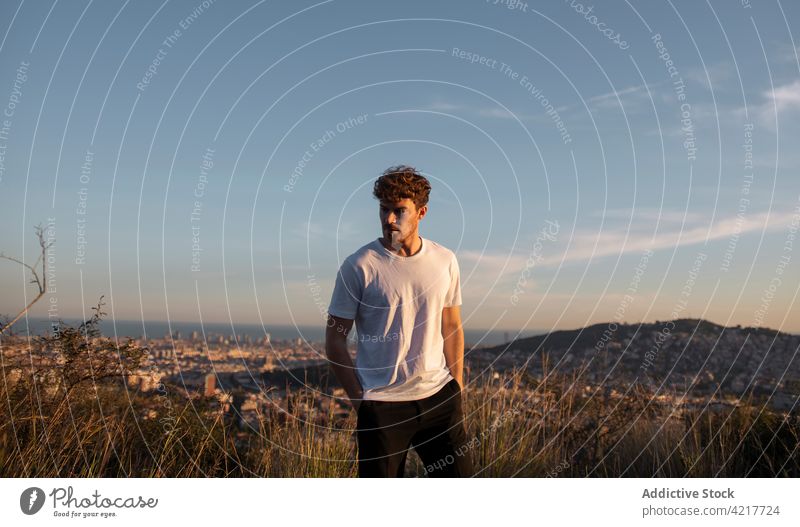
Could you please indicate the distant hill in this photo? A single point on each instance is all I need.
(678, 354)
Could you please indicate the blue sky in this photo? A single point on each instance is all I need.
(555, 121)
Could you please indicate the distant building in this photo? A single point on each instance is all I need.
(210, 385)
(269, 362)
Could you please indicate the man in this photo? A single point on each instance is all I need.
(403, 292)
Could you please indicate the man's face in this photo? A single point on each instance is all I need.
(401, 216)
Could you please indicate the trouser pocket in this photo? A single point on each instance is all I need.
(455, 387)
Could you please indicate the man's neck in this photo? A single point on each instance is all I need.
(404, 250)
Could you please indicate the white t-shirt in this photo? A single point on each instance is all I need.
(396, 302)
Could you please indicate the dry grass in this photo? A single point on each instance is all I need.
(520, 427)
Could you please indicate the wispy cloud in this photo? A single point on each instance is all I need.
(785, 97)
(495, 112)
(589, 244)
(488, 269)
(627, 96)
(783, 101)
(630, 96)
(719, 73)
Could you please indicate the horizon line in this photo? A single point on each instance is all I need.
(488, 330)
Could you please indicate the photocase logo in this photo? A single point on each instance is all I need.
(31, 500)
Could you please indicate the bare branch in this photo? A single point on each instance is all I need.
(41, 283)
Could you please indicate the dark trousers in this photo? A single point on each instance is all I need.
(434, 426)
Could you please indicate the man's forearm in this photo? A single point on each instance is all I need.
(343, 368)
(454, 352)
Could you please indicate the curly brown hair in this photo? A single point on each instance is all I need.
(402, 181)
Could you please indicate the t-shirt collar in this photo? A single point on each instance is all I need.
(422, 249)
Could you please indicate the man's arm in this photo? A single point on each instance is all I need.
(342, 364)
(453, 335)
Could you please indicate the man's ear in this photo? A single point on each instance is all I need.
(422, 211)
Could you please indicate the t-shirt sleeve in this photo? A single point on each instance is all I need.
(346, 292)
(454, 293)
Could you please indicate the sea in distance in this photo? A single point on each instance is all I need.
(157, 329)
